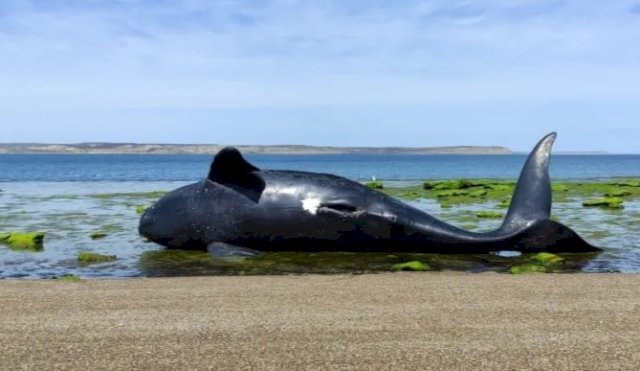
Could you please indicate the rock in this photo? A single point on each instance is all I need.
(490, 214)
(93, 258)
(605, 202)
(33, 241)
(414, 266)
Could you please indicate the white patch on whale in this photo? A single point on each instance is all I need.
(311, 205)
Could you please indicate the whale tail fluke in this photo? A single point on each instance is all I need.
(529, 216)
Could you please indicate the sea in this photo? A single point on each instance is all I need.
(70, 196)
(157, 168)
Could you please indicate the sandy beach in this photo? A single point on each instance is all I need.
(404, 321)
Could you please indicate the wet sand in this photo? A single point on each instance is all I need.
(372, 322)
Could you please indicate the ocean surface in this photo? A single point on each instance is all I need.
(81, 168)
(70, 196)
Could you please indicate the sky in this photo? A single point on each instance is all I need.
(323, 72)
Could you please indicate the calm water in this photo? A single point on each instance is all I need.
(75, 168)
(69, 196)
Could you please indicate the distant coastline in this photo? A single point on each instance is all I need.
(174, 149)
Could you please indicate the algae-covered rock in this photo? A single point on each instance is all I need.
(539, 263)
(448, 184)
(546, 258)
(559, 188)
(618, 193)
(98, 235)
(528, 268)
(505, 203)
(33, 241)
(478, 193)
(630, 183)
(413, 266)
(140, 209)
(490, 214)
(500, 187)
(451, 193)
(86, 257)
(605, 202)
(375, 185)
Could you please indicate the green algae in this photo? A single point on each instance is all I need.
(86, 257)
(62, 197)
(164, 263)
(618, 193)
(413, 266)
(477, 191)
(633, 183)
(68, 278)
(605, 202)
(542, 262)
(406, 193)
(489, 214)
(140, 209)
(110, 228)
(528, 269)
(546, 258)
(33, 241)
(375, 185)
(451, 193)
(98, 235)
(558, 187)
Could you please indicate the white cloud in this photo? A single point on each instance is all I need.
(64, 56)
(260, 53)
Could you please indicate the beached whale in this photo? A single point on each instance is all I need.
(240, 210)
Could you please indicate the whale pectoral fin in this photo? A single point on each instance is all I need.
(225, 250)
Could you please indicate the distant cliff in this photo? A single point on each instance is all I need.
(133, 148)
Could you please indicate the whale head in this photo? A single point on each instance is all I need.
(170, 221)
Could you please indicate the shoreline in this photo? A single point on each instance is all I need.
(210, 149)
(408, 320)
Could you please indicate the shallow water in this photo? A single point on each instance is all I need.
(68, 212)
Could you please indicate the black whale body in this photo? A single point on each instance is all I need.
(239, 209)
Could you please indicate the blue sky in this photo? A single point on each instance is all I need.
(359, 72)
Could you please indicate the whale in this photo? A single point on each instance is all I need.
(240, 210)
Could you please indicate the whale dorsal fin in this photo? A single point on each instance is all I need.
(229, 168)
(532, 198)
(229, 162)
